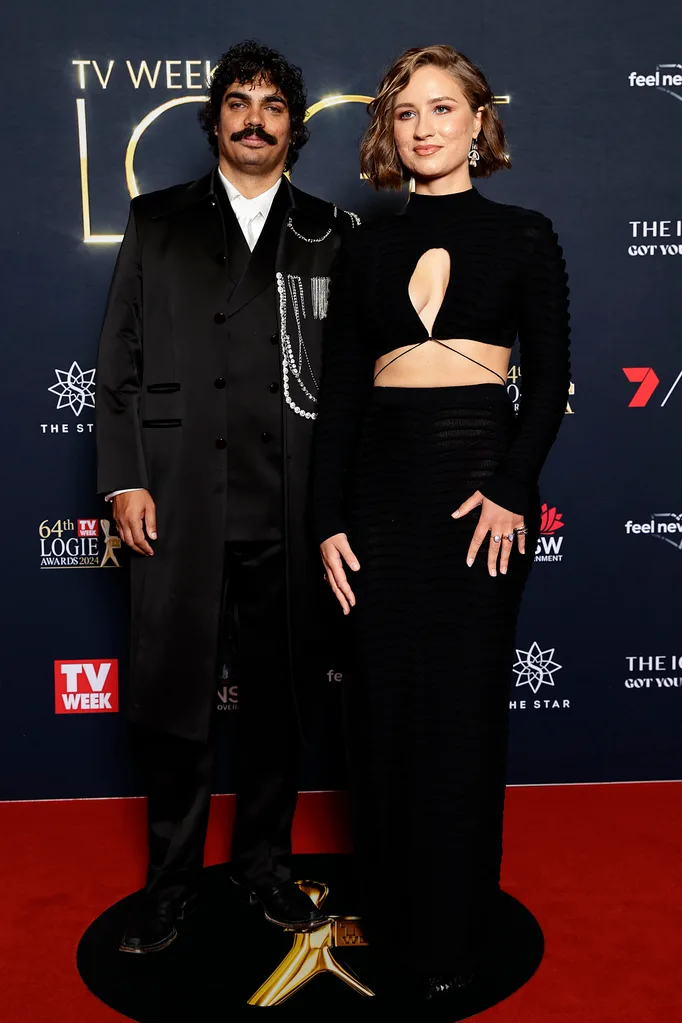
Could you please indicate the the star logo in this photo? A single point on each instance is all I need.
(535, 667)
(75, 388)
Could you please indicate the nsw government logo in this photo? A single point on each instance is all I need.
(536, 668)
(84, 687)
(549, 545)
(85, 543)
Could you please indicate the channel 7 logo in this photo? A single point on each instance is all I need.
(648, 382)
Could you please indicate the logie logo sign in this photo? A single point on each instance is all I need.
(153, 75)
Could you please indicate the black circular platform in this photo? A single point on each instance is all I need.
(226, 951)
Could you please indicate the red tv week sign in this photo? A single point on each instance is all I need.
(82, 687)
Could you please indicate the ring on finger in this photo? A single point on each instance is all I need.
(521, 530)
(510, 537)
(497, 539)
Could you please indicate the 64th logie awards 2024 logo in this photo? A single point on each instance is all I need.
(85, 543)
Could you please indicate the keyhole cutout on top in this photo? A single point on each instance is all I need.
(428, 285)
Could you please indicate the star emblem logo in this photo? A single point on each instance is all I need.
(535, 667)
(75, 388)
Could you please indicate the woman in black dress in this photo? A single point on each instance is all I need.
(426, 490)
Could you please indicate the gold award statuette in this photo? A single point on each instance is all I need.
(312, 953)
(111, 543)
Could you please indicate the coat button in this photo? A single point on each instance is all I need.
(221, 442)
(219, 382)
(266, 436)
(274, 388)
(274, 339)
(219, 318)
(221, 259)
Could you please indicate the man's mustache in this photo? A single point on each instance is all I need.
(252, 130)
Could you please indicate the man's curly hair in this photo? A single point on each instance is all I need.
(249, 62)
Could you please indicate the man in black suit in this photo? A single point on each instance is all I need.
(208, 369)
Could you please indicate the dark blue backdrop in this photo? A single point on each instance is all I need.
(595, 123)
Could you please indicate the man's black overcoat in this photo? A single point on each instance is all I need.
(159, 415)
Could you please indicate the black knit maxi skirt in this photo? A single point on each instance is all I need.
(429, 700)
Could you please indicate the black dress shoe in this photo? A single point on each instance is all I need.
(151, 927)
(283, 904)
(438, 987)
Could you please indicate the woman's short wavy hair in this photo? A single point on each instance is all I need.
(379, 160)
(250, 62)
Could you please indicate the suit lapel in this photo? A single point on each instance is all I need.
(260, 269)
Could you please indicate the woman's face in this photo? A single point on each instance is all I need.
(433, 124)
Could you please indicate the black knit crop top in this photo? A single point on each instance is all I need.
(507, 278)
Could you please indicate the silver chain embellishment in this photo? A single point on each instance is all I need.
(290, 367)
(355, 219)
(319, 289)
(297, 295)
(303, 238)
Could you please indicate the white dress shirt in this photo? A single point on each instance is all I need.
(251, 215)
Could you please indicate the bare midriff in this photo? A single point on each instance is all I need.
(432, 364)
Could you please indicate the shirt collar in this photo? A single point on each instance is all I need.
(259, 204)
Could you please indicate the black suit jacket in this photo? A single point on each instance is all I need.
(163, 424)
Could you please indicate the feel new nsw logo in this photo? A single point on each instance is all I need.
(85, 687)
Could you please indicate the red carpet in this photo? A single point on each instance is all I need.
(599, 866)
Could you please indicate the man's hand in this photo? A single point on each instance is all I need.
(335, 550)
(135, 514)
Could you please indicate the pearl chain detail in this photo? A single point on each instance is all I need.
(289, 363)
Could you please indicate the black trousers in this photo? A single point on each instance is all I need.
(179, 771)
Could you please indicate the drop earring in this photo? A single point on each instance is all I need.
(474, 155)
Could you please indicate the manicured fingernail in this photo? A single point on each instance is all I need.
(470, 562)
(153, 536)
(455, 515)
(503, 571)
(493, 572)
(354, 566)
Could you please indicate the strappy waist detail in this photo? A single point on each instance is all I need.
(443, 344)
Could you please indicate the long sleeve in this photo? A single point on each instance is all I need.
(120, 457)
(346, 384)
(545, 370)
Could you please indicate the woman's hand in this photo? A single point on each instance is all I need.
(504, 527)
(335, 550)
